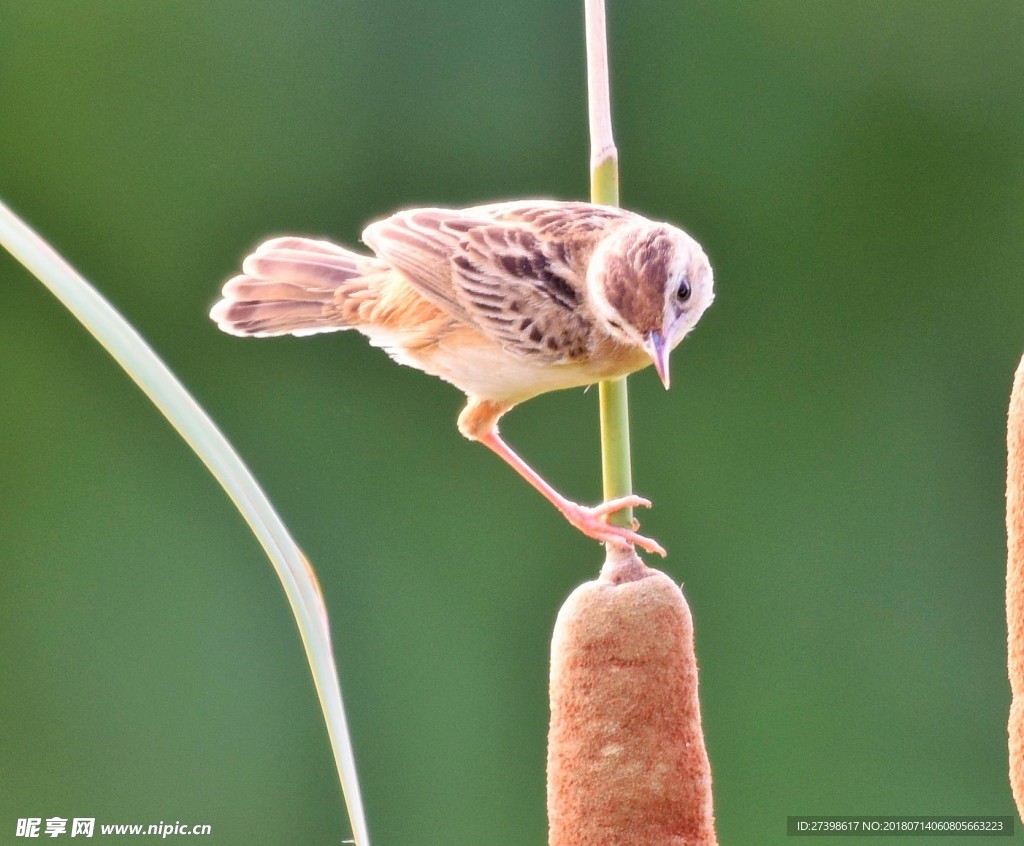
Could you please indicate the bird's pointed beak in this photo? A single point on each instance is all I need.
(659, 352)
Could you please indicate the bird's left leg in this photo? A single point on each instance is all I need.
(479, 422)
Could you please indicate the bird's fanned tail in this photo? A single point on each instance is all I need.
(296, 286)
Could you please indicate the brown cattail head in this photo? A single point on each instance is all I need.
(1015, 581)
(626, 756)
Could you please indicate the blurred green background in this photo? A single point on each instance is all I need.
(828, 469)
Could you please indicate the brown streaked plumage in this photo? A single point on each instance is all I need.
(505, 301)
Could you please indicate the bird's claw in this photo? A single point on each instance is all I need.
(593, 522)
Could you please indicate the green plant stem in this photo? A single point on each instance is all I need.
(604, 181)
(616, 466)
(613, 395)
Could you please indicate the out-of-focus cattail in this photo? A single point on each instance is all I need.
(626, 756)
(1015, 581)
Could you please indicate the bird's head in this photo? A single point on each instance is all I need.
(650, 283)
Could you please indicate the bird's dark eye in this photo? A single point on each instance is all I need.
(683, 294)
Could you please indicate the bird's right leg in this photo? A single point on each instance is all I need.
(479, 422)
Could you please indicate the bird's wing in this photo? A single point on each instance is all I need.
(523, 291)
(516, 271)
(419, 243)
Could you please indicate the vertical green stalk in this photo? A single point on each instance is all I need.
(617, 472)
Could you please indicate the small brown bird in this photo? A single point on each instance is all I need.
(505, 301)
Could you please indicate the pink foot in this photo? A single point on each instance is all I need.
(593, 522)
